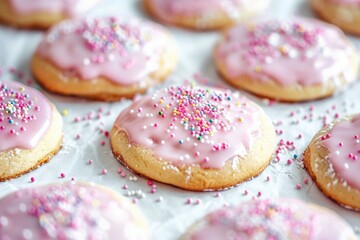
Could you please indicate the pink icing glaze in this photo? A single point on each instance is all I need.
(293, 52)
(66, 211)
(69, 7)
(191, 125)
(171, 9)
(125, 52)
(25, 116)
(271, 219)
(343, 145)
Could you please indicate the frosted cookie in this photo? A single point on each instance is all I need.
(70, 211)
(105, 59)
(204, 14)
(333, 161)
(30, 129)
(194, 138)
(343, 13)
(42, 13)
(291, 60)
(271, 219)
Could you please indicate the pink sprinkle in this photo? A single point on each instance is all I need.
(119, 170)
(72, 179)
(259, 194)
(78, 136)
(196, 154)
(90, 161)
(134, 200)
(102, 143)
(217, 195)
(289, 161)
(356, 136)
(32, 179)
(106, 133)
(337, 115)
(150, 183)
(341, 144)
(198, 201)
(123, 174)
(153, 190)
(77, 119)
(300, 136)
(268, 178)
(12, 131)
(298, 186)
(188, 201)
(354, 157)
(155, 124)
(62, 175)
(206, 159)
(245, 192)
(306, 181)
(104, 171)
(125, 187)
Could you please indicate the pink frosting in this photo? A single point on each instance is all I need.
(343, 144)
(25, 116)
(171, 9)
(191, 125)
(66, 211)
(271, 219)
(125, 52)
(69, 7)
(292, 52)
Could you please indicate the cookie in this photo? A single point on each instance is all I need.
(70, 210)
(343, 13)
(30, 129)
(288, 60)
(271, 219)
(194, 138)
(204, 14)
(41, 13)
(333, 161)
(104, 59)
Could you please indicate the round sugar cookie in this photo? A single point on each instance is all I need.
(288, 60)
(194, 138)
(104, 59)
(204, 14)
(271, 219)
(30, 129)
(333, 161)
(42, 13)
(343, 13)
(70, 210)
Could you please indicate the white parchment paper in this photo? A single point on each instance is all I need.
(170, 217)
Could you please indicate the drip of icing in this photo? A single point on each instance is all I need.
(125, 52)
(69, 7)
(172, 9)
(343, 145)
(190, 125)
(294, 52)
(271, 219)
(25, 116)
(66, 211)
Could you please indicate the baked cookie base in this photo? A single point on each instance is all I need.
(271, 89)
(16, 162)
(317, 165)
(40, 20)
(144, 162)
(347, 17)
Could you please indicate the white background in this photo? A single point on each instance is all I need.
(169, 218)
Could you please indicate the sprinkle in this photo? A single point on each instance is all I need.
(62, 175)
(65, 112)
(104, 171)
